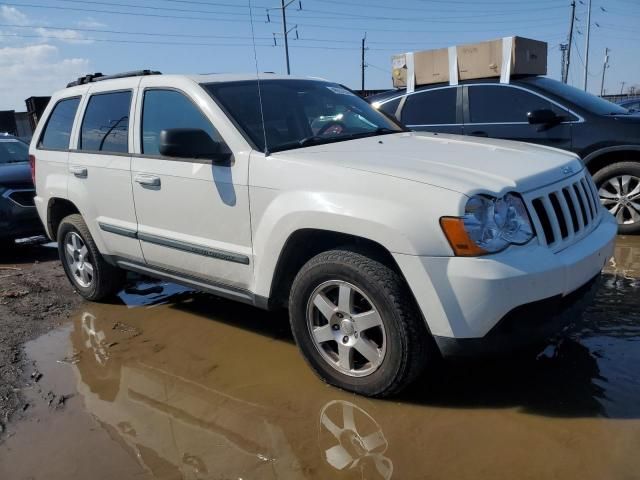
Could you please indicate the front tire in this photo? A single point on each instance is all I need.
(357, 325)
(90, 274)
(619, 191)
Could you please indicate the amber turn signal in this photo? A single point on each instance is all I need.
(459, 239)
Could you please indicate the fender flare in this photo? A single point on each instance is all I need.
(616, 148)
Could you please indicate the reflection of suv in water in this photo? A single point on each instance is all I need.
(378, 240)
(537, 110)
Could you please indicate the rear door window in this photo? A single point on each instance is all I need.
(498, 104)
(433, 107)
(57, 131)
(105, 127)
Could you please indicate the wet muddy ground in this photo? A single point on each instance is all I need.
(167, 383)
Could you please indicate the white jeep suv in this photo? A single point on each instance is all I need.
(388, 247)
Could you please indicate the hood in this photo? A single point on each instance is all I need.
(15, 174)
(464, 164)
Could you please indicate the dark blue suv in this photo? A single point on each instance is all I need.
(537, 110)
(18, 215)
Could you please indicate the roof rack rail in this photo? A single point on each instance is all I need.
(98, 77)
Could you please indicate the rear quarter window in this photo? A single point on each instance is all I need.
(57, 131)
(390, 107)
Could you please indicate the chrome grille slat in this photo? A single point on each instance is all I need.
(553, 219)
(564, 212)
(589, 193)
(587, 205)
(567, 215)
(576, 206)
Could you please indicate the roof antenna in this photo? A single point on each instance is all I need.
(255, 57)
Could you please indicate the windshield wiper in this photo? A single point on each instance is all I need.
(314, 140)
(317, 140)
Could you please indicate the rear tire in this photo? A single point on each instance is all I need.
(90, 274)
(619, 190)
(379, 317)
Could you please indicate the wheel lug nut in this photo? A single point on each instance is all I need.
(335, 327)
(339, 315)
(345, 339)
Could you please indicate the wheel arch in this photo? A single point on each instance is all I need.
(603, 157)
(57, 209)
(305, 243)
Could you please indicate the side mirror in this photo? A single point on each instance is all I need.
(192, 143)
(544, 116)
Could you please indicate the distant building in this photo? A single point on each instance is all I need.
(23, 124)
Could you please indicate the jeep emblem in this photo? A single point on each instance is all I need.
(567, 170)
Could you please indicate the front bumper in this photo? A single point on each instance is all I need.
(471, 298)
(526, 326)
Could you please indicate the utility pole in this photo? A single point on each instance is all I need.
(285, 33)
(604, 69)
(622, 87)
(586, 48)
(363, 65)
(563, 62)
(573, 17)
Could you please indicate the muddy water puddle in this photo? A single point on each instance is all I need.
(172, 384)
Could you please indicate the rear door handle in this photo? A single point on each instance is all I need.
(147, 180)
(479, 133)
(78, 171)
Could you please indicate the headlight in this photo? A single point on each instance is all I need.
(489, 225)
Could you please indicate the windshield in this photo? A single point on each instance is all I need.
(579, 97)
(13, 151)
(299, 113)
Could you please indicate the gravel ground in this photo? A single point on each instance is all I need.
(35, 297)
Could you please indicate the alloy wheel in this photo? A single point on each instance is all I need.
(621, 196)
(346, 328)
(78, 259)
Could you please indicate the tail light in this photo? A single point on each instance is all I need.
(32, 166)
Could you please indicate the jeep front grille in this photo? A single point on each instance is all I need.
(23, 197)
(564, 212)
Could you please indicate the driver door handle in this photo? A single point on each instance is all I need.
(147, 180)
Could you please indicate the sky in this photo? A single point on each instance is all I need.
(44, 44)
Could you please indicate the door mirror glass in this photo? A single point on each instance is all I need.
(543, 117)
(191, 143)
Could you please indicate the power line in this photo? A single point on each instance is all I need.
(445, 29)
(329, 27)
(145, 42)
(177, 44)
(124, 32)
(412, 9)
(214, 4)
(167, 9)
(332, 15)
(135, 14)
(400, 45)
